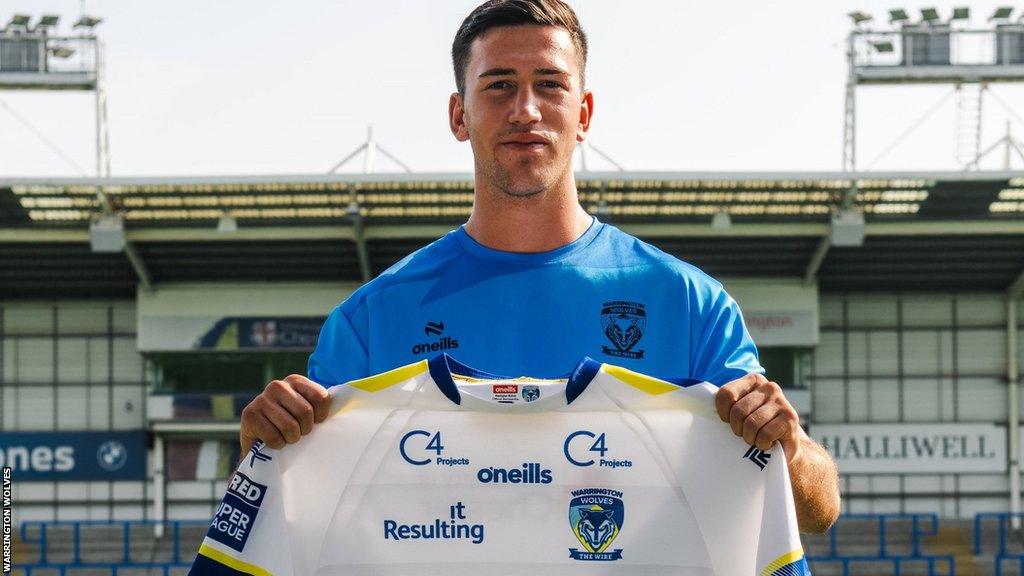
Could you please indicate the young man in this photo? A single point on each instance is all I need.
(531, 283)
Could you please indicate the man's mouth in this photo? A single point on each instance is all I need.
(525, 146)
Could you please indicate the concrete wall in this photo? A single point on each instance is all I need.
(914, 358)
(72, 366)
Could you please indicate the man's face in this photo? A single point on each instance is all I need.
(524, 109)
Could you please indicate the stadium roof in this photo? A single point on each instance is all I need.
(946, 231)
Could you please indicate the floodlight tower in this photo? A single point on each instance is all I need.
(36, 58)
(932, 50)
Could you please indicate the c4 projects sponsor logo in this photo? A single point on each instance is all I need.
(411, 451)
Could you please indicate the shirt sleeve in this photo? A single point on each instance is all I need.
(723, 350)
(779, 551)
(248, 534)
(340, 355)
(740, 496)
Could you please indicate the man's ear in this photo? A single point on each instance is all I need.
(457, 118)
(586, 114)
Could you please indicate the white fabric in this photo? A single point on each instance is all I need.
(694, 500)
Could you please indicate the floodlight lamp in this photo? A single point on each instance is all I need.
(18, 20)
(88, 22)
(1002, 13)
(898, 15)
(47, 21)
(883, 47)
(961, 13)
(62, 52)
(859, 17)
(929, 15)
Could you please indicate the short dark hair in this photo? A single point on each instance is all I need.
(494, 13)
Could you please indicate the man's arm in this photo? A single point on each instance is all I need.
(758, 412)
(815, 481)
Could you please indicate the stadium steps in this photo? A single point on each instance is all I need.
(861, 539)
(955, 539)
(102, 544)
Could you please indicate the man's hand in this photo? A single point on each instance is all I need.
(759, 413)
(284, 412)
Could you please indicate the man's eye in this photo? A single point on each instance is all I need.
(499, 85)
(550, 84)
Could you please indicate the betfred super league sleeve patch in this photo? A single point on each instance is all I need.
(237, 513)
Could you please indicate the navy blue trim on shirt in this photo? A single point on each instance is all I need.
(442, 367)
(581, 376)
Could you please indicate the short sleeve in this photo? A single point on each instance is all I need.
(340, 354)
(723, 349)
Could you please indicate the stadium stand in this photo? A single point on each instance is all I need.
(909, 325)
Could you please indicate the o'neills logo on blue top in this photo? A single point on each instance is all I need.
(595, 517)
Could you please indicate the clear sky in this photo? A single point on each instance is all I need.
(200, 87)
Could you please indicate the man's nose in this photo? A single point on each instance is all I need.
(526, 109)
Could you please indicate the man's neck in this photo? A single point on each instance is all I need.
(537, 223)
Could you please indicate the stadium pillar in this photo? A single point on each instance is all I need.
(102, 133)
(359, 236)
(850, 110)
(817, 259)
(1013, 395)
(159, 486)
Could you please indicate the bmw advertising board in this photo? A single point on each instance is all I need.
(71, 455)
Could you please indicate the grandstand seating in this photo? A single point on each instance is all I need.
(858, 545)
(863, 544)
(95, 548)
(995, 536)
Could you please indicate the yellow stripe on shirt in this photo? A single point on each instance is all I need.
(390, 378)
(639, 381)
(787, 558)
(231, 562)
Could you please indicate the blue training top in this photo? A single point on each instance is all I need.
(606, 295)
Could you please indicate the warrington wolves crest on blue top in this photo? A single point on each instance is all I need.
(624, 324)
(596, 516)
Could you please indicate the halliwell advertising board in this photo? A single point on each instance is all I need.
(914, 448)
